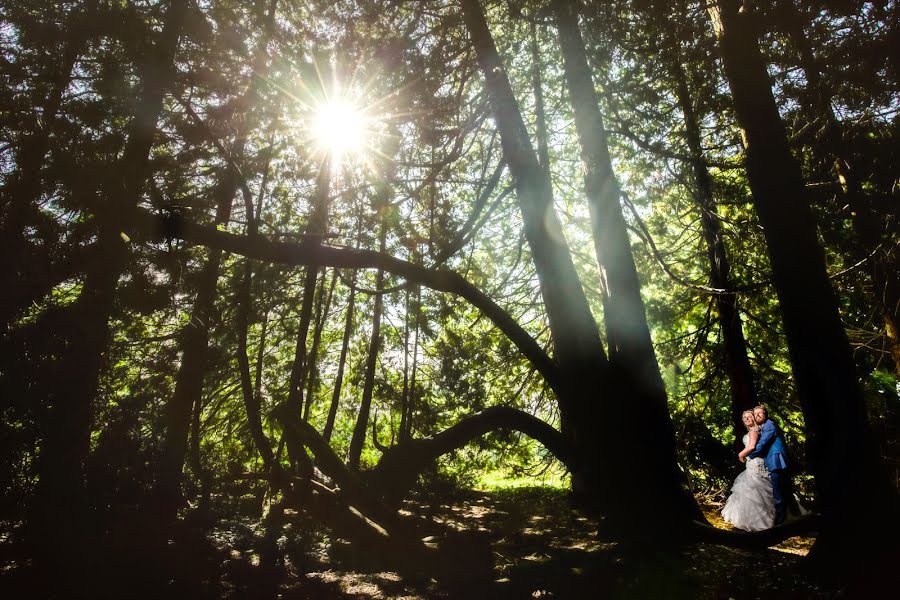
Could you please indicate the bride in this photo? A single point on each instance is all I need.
(751, 506)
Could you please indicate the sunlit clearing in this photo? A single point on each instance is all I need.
(340, 129)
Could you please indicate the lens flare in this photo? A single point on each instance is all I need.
(340, 128)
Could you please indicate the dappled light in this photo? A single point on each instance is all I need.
(434, 300)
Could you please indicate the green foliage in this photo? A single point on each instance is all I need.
(431, 157)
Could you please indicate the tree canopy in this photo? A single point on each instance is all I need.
(331, 253)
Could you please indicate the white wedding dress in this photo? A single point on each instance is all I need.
(751, 505)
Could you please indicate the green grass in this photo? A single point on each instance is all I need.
(503, 479)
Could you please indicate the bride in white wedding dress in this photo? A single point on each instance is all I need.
(751, 505)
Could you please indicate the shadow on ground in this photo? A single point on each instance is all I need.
(540, 546)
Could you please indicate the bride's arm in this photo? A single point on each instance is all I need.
(751, 444)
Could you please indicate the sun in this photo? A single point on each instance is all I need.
(340, 128)
(342, 124)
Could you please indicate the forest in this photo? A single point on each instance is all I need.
(445, 298)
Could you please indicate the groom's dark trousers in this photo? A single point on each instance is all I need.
(771, 447)
(779, 480)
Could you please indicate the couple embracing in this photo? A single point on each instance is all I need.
(760, 494)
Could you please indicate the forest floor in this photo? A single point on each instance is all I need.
(541, 547)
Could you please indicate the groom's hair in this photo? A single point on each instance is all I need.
(762, 408)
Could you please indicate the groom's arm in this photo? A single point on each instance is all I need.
(765, 438)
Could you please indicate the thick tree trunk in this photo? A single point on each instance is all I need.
(185, 404)
(842, 456)
(252, 400)
(300, 364)
(404, 392)
(540, 117)
(411, 396)
(407, 403)
(316, 228)
(737, 362)
(628, 335)
(576, 339)
(643, 472)
(260, 358)
(362, 419)
(66, 440)
(189, 381)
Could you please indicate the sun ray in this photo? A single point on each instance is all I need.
(341, 121)
(340, 128)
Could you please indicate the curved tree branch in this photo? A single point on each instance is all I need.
(400, 466)
(304, 253)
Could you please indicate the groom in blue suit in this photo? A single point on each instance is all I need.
(771, 448)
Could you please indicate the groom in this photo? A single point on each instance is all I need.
(772, 449)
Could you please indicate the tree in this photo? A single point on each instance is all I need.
(68, 424)
(189, 384)
(579, 351)
(158, 324)
(871, 244)
(841, 452)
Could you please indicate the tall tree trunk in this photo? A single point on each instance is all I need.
(342, 361)
(626, 324)
(195, 340)
(629, 343)
(322, 308)
(404, 393)
(362, 419)
(407, 433)
(575, 335)
(852, 488)
(252, 400)
(189, 380)
(644, 467)
(315, 230)
(540, 116)
(407, 403)
(737, 362)
(316, 292)
(66, 440)
(260, 356)
(884, 262)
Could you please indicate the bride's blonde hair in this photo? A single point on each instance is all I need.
(749, 412)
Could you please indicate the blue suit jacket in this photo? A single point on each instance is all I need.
(771, 447)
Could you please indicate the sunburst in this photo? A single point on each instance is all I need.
(342, 123)
(341, 129)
